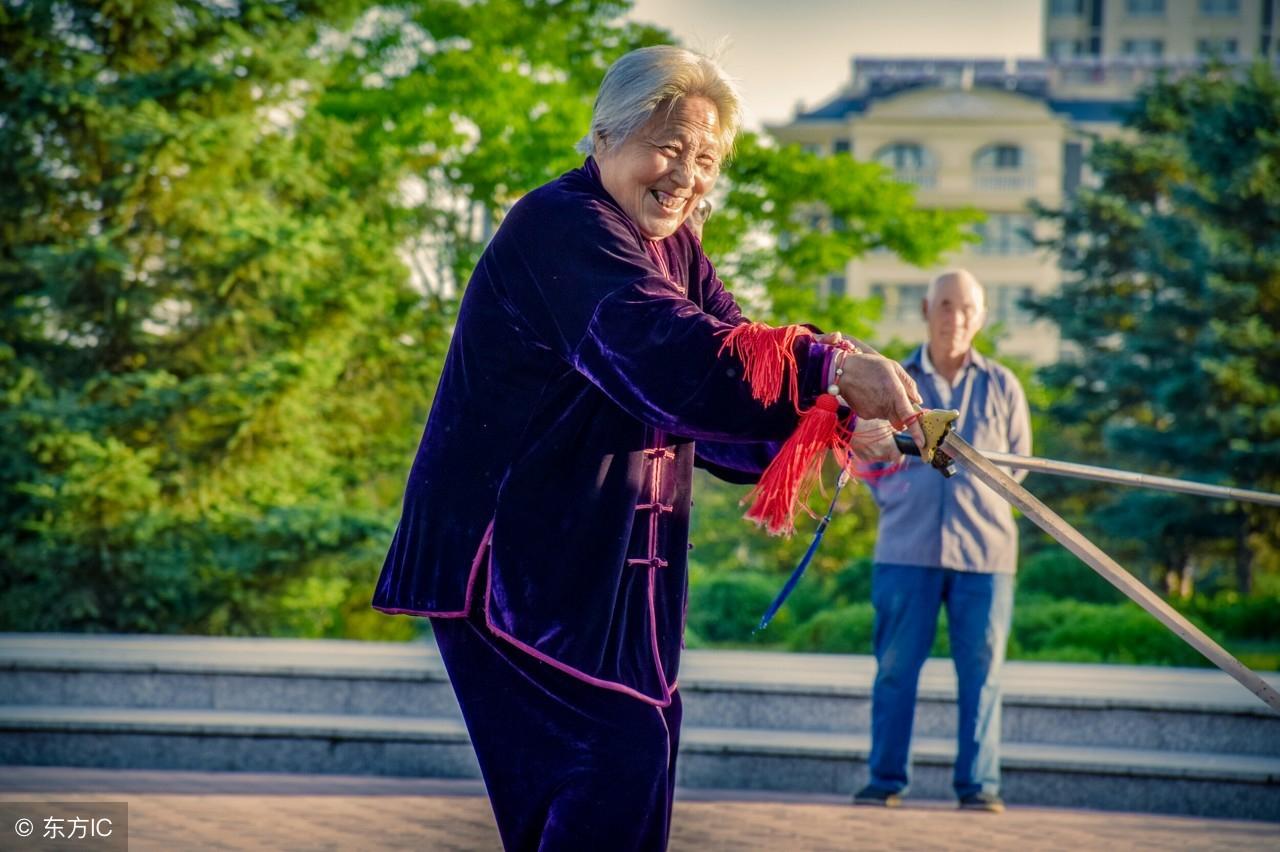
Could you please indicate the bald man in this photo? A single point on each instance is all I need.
(947, 542)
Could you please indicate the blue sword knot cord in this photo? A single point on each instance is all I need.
(794, 579)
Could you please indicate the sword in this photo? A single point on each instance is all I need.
(944, 448)
(1104, 474)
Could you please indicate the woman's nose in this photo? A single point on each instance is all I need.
(682, 172)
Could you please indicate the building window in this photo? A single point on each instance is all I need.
(902, 155)
(1219, 8)
(901, 301)
(1065, 48)
(1005, 304)
(811, 148)
(1002, 157)
(1142, 48)
(837, 286)
(1144, 8)
(910, 162)
(841, 146)
(909, 298)
(1005, 234)
(1207, 47)
(1001, 166)
(1066, 8)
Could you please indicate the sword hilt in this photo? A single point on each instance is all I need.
(935, 423)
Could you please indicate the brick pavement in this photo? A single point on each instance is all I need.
(228, 811)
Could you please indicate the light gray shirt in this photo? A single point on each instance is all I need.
(958, 523)
(946, 389)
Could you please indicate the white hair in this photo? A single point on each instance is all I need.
(961, 274)
(642, 80)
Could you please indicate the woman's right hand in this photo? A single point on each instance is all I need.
(877, 388)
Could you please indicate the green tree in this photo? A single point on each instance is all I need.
(792, 217)
(215, 359)
(1172, 304)
(789, 219)
(234, 236)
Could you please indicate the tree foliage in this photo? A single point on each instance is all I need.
(233, 240)
(214, 360)
(792, 218)
(1172, 304)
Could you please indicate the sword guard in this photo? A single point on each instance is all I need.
(935, 423)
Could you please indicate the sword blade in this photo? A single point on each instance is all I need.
(1141, 480)
(907, 445)
(964, 454)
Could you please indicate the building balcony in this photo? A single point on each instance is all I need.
(922, 178)
(1005, 181)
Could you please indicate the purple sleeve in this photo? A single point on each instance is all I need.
(716, 300)
(578, 277)
(744, 462)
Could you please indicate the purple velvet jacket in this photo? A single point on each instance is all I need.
(552, 484)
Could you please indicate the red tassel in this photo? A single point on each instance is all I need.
(791, 476)
(768, 358)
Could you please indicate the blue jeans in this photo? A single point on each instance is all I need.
(979, 609)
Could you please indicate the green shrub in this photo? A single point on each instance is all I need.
(692, 639)
(1057, 573)
(849, 630)
(852, 584)
(810, 597)
(846, 630)
(1118, 633)
(1063, 654)
(726, 607)
(1252, 618)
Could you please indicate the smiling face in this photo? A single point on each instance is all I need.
(659, 173)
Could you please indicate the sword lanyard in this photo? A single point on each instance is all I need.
(805, 560)
(794, 579)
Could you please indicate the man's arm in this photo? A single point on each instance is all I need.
(1019, 429)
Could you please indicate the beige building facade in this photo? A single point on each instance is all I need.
(997, 134)
(983, 134)
(1161, 30)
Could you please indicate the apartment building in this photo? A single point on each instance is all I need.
(1161, 30)
(996, 134)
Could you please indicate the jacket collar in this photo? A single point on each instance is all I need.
(916, 360)
(589, 171)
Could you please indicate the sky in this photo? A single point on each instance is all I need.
(785, 51)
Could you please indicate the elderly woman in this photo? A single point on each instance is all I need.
(546, 516)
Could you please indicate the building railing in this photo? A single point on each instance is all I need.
(1004, 181)
(880, 75)
(923, 178)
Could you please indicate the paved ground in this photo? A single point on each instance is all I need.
(231, 811)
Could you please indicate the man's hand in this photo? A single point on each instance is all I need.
(877, 388)
(873, 441)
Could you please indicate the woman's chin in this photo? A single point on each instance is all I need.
(656, 227)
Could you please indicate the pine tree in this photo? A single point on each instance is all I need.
(232, 241)
(1172, 302)
(215, 358)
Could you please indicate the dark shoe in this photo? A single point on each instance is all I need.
(870, 795)
(989, 802)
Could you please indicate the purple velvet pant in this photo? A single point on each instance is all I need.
(567, 765)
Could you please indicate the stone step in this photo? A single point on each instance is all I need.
(1041, 704)
(1198, 710)
(1206, 784)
